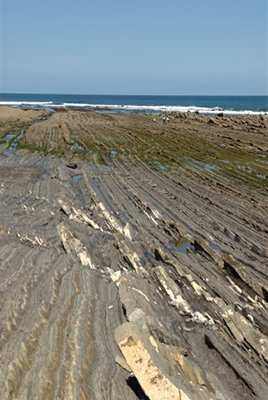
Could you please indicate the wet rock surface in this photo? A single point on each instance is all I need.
(120, 279)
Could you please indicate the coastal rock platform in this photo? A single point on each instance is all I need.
(133, 256)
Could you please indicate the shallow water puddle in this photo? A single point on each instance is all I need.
(158, 166)
(76, 185)
(9, 137)
(76, 147)
(245, 168)
(11, 141)
(113, 153)
(182, 246)
(77, 178)
(224, 161)
(204, 166)
(44, 165)
(215, 246)
(261, 176)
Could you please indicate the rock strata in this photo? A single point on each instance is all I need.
(133, 256)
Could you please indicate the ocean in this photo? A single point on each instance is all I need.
(141, 104)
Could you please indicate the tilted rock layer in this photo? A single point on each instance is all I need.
(133, 256)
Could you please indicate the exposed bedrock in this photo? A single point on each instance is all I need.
(128, 270)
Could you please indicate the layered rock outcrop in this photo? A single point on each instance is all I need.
(125, 277)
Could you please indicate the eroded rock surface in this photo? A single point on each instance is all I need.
(124, 278)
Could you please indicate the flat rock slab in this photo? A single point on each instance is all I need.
(151, 370)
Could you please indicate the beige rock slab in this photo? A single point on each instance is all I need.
(150, 370)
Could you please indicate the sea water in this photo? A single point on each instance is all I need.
(144, 104)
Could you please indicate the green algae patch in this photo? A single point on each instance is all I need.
(190, 143)
(14, 138)
(241, 167)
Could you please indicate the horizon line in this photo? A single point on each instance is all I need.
(145, 95)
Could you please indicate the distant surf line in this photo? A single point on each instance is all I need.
(131, 107)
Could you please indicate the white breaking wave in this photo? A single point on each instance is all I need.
(127, 107)
(203, 110)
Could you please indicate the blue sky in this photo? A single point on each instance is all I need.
(134, 46)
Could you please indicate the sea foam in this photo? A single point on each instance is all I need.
(132, 108)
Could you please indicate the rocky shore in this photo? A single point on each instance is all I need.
(133, 256)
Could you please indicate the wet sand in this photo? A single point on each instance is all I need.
(133, 256)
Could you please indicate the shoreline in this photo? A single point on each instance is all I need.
(143, 104)
(142, 109)
(133, 249)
